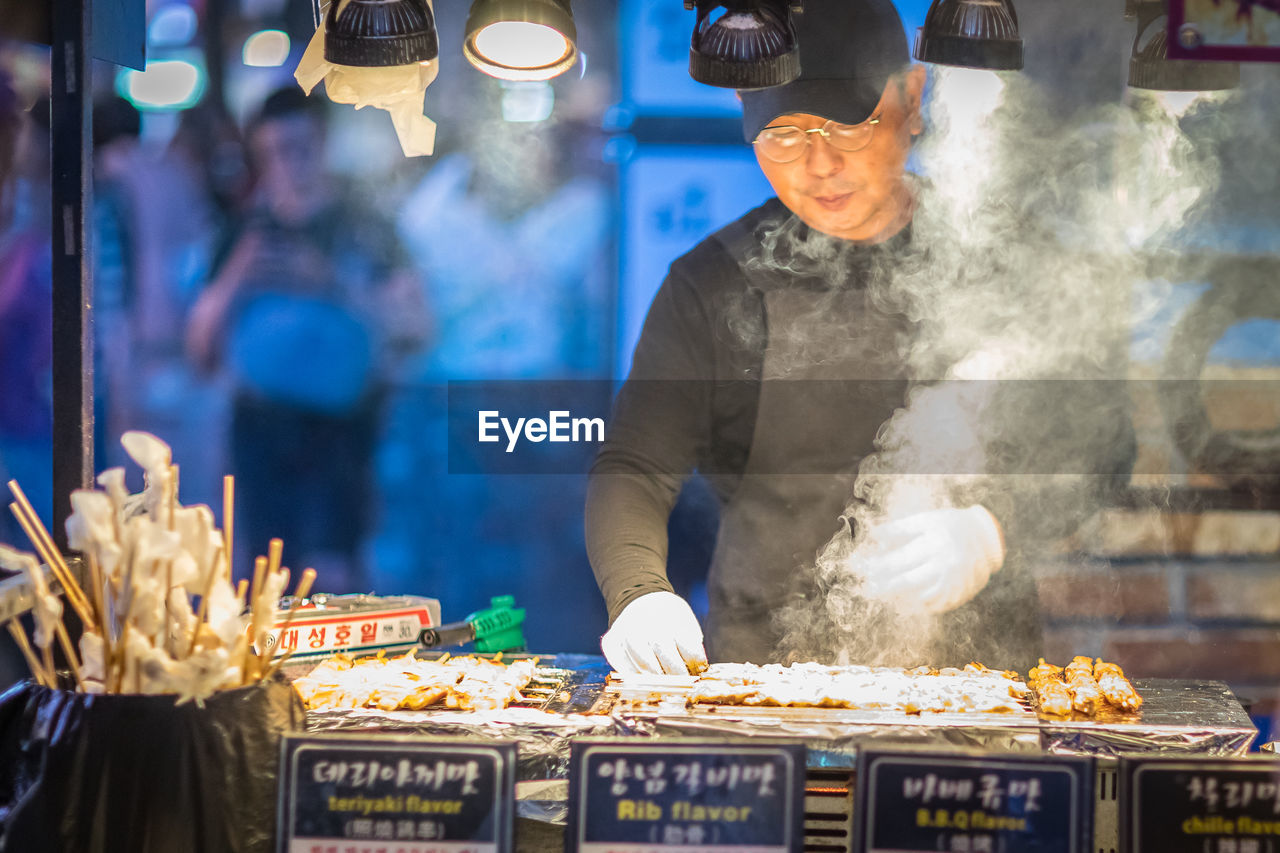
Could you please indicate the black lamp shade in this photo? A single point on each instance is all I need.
(752, 45)
(374, 33)
(1151, 68)
(554, 14)
(971, 34)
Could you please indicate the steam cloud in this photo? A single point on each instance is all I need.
(1028, 238)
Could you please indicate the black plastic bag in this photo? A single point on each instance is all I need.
(92, 774)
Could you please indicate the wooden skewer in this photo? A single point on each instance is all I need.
(203, 611)
(121, 664)
(228, 518)
(46, 657)
(34, 528)
(262, 654)
(266, 676)
(172, 507)
(61, 573)
(173, 497)
(95, 581)
(122, 650)
(20, 637)
(38, 526)
(240, 652)
(302, 591)
(104, 619)
(65, 641)
(275, 549)
(164, 623)
(259, 576)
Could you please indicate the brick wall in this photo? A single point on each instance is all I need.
(1173, 596)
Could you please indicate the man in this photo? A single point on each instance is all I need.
(767, 364)
(309, 309)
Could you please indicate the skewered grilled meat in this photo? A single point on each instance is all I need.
(1083, 686)
(1051, 691)
(1086, 697)
(1115, 687)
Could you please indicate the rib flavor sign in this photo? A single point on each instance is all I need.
(686, 796)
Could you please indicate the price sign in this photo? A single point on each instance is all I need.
(376, 794)
(686, 795)
(913, 802)
(1206, 806)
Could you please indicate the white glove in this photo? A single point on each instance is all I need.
(655, 633)
(933, 561)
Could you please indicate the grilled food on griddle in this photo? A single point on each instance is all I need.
(1084, 686)
(1116, 689)
(810, 685)
(407, 683)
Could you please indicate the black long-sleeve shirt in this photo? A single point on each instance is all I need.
(691, 399)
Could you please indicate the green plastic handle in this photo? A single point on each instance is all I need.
(499, 628)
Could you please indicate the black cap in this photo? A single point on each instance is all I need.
(848, 51)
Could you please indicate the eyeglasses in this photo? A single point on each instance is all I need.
(786, 142)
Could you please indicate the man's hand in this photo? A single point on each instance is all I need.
(933, 561)
(655, 633)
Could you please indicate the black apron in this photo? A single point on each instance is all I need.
(830, 379)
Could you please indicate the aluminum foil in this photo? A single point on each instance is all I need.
(1177, 717)
(543, 733)
(1182, 717)
(833, 738)
(543, 737)
(1185, 717)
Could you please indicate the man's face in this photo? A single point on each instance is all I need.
(854, 195)
(287, 151)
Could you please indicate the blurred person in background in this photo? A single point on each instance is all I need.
(116, 126)
(510, 242)
(177, 220)
(509, 230)
(16, 329)
(310, 309)
(26, 309)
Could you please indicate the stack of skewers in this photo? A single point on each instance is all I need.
(160, 614)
